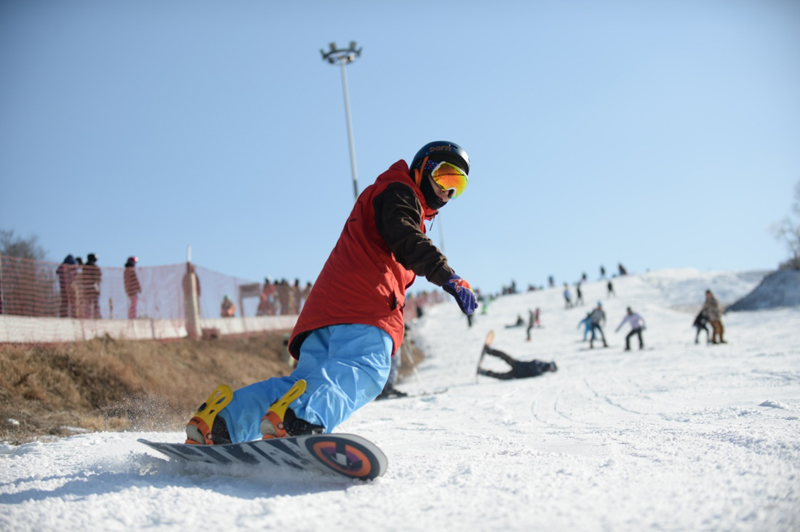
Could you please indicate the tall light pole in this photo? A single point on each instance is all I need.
(343, 57)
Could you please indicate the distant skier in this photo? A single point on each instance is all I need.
(610, 287)
(700, 323)
(533, 321)
(519, 369)
(567, 297)
(598, 317)
(578, 295)
(637, 326)
(714, 311)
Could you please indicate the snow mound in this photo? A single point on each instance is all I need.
(684, 288)
(778, 289)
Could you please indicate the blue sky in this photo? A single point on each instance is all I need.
(658, 134)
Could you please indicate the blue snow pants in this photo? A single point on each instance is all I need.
(344, 366)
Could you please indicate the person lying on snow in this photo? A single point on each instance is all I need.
(519, 369)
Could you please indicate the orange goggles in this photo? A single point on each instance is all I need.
(449, 177)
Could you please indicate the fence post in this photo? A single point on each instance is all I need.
(2, 306)
(191, 304)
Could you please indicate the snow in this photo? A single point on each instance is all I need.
(681, 437)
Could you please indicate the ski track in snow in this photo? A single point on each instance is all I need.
(680, 437)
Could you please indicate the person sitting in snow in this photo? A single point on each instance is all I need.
(637, 326)
(519, 323)
(519, 369)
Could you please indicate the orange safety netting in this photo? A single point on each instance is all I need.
(42, 289)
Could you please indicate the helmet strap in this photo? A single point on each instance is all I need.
(418, 172)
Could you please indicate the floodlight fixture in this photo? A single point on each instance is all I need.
(345, 56)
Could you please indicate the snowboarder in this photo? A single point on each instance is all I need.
(352, 323)
(519, 369)
(713, 310)
(610, 287)
(637, 326)
(567, 297)
(598, 317)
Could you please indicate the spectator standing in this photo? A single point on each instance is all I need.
(132, 286)
(266, 305)
(66, 276)
(282, 294)
(295, 297)
(91, 277)
(228, 309)
(307, 291)
(78, 309)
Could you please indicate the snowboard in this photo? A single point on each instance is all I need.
(486, 343)
(344, 455)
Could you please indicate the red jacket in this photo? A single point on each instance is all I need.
(380, 252)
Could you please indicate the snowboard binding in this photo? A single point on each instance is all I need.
(280, 421)
(205, 428)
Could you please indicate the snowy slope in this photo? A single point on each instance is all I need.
(680, 437)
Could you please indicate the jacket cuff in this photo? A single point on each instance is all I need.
(441, 276)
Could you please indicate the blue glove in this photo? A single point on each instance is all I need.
(462, 291)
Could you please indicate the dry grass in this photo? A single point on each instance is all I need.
(106, 384)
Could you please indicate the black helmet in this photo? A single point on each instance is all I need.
(442, 150)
